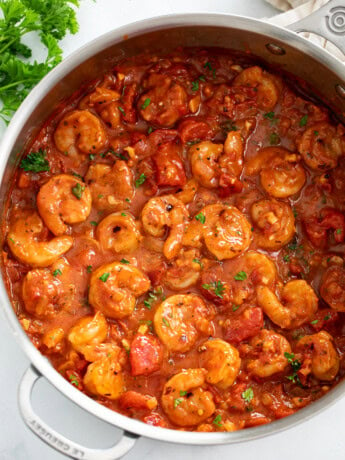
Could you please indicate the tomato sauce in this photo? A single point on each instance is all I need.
(175, 240)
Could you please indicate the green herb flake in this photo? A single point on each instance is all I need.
(270, 116)
(327, 317)
(195, 85)
(235, 307)
(197, 261)
(295, 365)
(122, 111)
(314, 322)
(217, 287)
(92, 156)
(177, 401)
(94, 223)
(217, 420)
(286, 258)
(183, 393)
(149, 130)
(57, 272)
(338, 231)
(104, 277)
(140, 180)
(240, 276)
(316, 133)
(128, 200)
(303, 120)
(89, 268)
(200, 218)
(274, 139)
(146, 103)
(78, 190)
(73, 379)
(35, 161)
(123, 214)
(153, 297)
(124, 261)
(248, 395)
(166, 322)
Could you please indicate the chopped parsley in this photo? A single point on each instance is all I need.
(78, 190)
(235, 307)
(327, 317)
(208, 66)
(197, 261)
(166, 322)
(153, 297)
(92, 157)
(57, 272)
(149, 130)
(146, 103)
(286, 258)
(122, 111)
(119, 155)
(195, 85)
(270, 116)
(35, 162)
(274, 139)
(177, 401)
(89, 268)
(183, 393)
(124, 261)
(201, 218)
(73, 379)
(217, 420)
(128, 200)
(123, 214)
(140, 180)
(248, 395)
(338, 231)
(295, 365)
(94, 223)
(104, 277)
(314, 322)
(303, 120)
(217, 287)
(240, 276)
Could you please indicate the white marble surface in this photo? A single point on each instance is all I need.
(319, 438)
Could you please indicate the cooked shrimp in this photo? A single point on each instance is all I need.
(104, 377)
(226, 231)
(46, 291)
(63, 199)
(324, 357)
(297, 306)
(321, 145)
(267, 354)
(180, 319)
(274, 224)
(166, 211)
(119, 232)
(268, 86)
(210, 162)
(88, 332)
(187, 194)
(104, 101)
(114, 288)
(184, 399)
(222, 362)
(23, 240)
(281, 174)
(332, 287)
(80, 132)
(184, 271)
(111, 186)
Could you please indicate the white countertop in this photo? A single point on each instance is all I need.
(319, 438)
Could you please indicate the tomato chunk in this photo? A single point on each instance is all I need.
(137, 401)
(194, 130)
(244, 326)
(170, 170)
(330, 219)
(145, 355)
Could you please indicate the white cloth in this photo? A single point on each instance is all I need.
(298, 9)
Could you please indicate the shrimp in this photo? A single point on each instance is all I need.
(119, 232)
(104, 101)
(180, 319)
(226, 231)
(222, 362)
(321, 145)
(268, 86)
(114, 288)
(166, 211)
(184, 271)
(88, 332)
(267, 354)
(80, 132)
(184, 399)
(332, 288)
(46, 291)
(281, 174)
(297, 306)
(187, 194)
(63, 199)
(320, 355)
(104, 377)
(23, 240)
(212, 163)
(274, 224)
(111, 187)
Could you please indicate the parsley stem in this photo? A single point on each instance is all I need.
(15, 83)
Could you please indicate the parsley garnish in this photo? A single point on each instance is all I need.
(166, 322)
(303, 120)
(152, 297)
(327, 317)
(314, 322)
(195, 85)
(124, 261)
(217, 287)
(122, 111)
(94, 223)
(104, 277)
(89, 268)
(197, 261)
(295, 365)
(140, 180)
(240, 276)
(248, 395)
(78, 190)
(146, 103)
(269, 116)
(149, 130)
(183, 393)
(177, 401)
(201, 218)
(208, 66)
(73, 379)
(35, 161)
(217, 420)
(286, 258)
(57, 272)
(235, 307)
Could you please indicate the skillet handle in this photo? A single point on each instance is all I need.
(55, 439)
(328, 21)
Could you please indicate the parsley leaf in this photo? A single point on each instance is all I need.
(295, 365)
(153, 297)
(217, 420)
(240, 276)
(217, 287)
(35, 161)
(177, 401)
(140, 180)
(57, 272)
(201, 218)
(248, 394)
(303, 120)
(146, 103)
(124, 261)
(104, 277)
(78, 190)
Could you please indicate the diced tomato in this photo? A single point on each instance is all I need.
(256, 419)
(191, 130)
(229, 185)
(146, 354)
(157, 275)
(129, 94)
(154, 420)
(324, 319)
(170, 170)
(136, 401)
(330, 219)
(74, 377)
(244, 326)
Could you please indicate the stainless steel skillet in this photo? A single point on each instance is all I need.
(275, 45)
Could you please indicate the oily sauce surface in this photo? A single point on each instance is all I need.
(175, 240)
